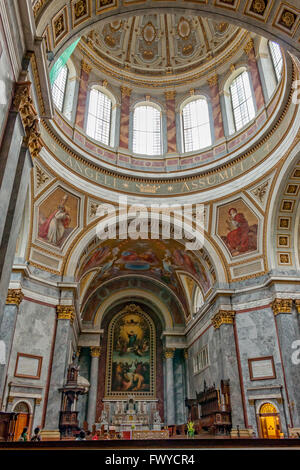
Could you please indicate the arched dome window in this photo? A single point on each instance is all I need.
(99, 116)
(59, 88)
(147, 129)
(276, 58)
(196, 125)
(241, 100)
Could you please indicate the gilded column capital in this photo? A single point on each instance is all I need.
(14, 297)
(86, 67)
(249, 46)
(65, 312)
(125, 91)
(23, 104)
(169, 353)
(297, 305)
(170, 95)
(282, 306)
(95, 351)
(186, 353)
(223, 317)
(213, 80)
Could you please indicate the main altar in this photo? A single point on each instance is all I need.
(130, 414)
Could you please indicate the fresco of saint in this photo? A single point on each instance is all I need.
(241, 237)
(53, 228)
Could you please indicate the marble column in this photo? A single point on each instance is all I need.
(179, 388)
(21, 143)
(223, 323)
(287, 328)
(216, 107)
(171, 121)
(91, 413)
(169, 377)
(253, 69)
(187, 377)
(65, 318)
(7, 330)
(82, 94)
(124, 119)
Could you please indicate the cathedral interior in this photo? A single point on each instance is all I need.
(113, 319)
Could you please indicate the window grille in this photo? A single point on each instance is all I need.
(196, 125)
(276, 58)
(99, 117)
(59, 88)
(242, 101)
(147, 130)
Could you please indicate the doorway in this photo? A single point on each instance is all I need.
(23, 419)
(269, 420)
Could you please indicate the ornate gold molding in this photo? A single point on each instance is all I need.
(282, 306)
(297, 304)
(213, 81)
(37, 7)
(125, 91)
(95, 351)
(86, 67)
(14, 297)
(186, 354)
(170, 94)
(23, 104)
(169, 353)
(223, 317)
(249, 46)
(65, 312)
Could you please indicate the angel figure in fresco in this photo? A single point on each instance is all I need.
(53, 228)
(103, 270)
(241, 237)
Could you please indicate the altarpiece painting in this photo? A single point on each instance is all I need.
(131, 355)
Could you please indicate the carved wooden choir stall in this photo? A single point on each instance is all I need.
(215, 409)
(7, 426)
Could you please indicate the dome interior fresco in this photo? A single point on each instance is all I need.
(161, 44)
(165, 261)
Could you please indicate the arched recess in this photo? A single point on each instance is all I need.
(283, 220)
(161, 299)
(105, 366)
(65, 24)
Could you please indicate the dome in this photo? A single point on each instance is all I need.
(165, 47)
